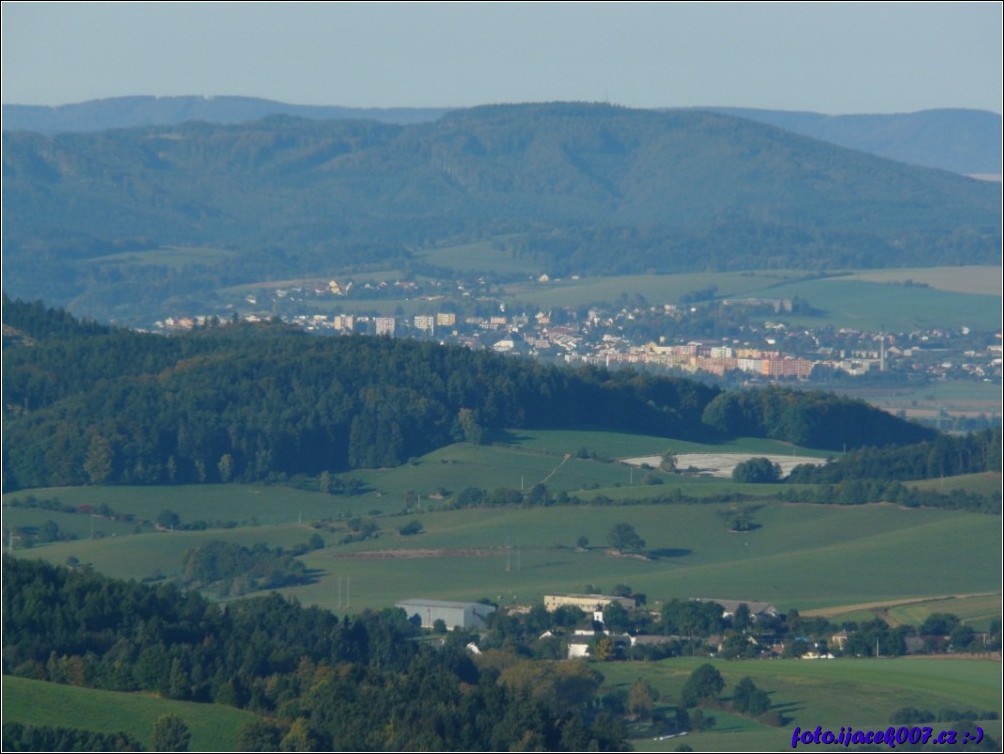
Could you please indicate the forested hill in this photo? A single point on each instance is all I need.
(962, 141)
(588, 189)
(237, 402)
(317, 681)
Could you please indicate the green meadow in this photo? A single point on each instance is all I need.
(855, 300)
(860, 693)
(657, 289)
(982, 484)
(976, 610)
(965, 279)
(214, 727)
(798, 555)
(874, 307)
(481, 256)
(175, 257)
(804, 556)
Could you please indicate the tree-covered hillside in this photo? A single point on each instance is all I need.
(236, 402)
(591, 189)
(318, 682)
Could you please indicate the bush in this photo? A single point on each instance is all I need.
(412, 527)
(757, 471)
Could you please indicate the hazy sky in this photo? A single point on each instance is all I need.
(826, 57)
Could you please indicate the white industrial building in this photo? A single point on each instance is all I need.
(453, 614)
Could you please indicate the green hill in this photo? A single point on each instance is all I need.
(214, 727)
(250, 403)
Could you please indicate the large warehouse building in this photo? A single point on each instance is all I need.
(453, 614)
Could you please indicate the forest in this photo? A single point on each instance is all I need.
(320, 682)
(229, 402)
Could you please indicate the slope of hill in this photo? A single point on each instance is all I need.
(961, 141)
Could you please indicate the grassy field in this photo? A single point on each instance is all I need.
(175, 257)
(870, 300)
(855, 555)
(482, 256)
(983, 280)
(954, 397)
(247, 505)
(657, 289)
(874, 307)
(214, 727)
(849, 692)
(982, 484)
(975, 610)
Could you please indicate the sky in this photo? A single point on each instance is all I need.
(836, 58)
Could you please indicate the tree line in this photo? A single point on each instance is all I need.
(239, 402)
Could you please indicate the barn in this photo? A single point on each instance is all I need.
(453, 614)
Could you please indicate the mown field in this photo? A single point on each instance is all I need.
(860, 693)
(214, 727)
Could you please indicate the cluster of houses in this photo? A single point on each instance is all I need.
(475, 616)
(769, 350)
(583, 642)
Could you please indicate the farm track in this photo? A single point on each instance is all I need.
(416, 553)
(828, 612)
(555, 469)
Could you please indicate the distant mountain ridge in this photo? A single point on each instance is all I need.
(958, 140)
(574, 188)
(140, 111)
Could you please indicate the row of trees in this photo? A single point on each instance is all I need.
(943, 456)
(227, 569)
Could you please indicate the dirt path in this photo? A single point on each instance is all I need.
(828, 612)
(555, 469)
(416, 553)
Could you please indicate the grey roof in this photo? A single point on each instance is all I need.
(419, 602)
